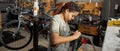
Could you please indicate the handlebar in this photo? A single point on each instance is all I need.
(23, 12)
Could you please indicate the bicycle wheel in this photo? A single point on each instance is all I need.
(15, 39)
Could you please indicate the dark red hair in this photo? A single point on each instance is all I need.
(69, 5)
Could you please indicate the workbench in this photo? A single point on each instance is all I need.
(112, 38)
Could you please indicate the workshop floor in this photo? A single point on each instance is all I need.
(44, 43)
(41, 42)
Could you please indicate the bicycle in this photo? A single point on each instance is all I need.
(15, 28)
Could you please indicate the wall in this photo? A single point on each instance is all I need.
(79, 0)
(108, 8)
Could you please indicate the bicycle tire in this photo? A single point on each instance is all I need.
(11, 26)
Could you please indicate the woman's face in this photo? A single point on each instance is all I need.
(70, 15)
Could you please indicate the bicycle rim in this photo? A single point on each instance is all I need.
(13, 39)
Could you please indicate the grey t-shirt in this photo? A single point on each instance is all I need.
(62, 28)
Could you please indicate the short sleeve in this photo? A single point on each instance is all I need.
(54, 26)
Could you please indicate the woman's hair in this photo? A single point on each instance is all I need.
(69, 5)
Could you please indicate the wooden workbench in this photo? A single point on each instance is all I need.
(88, 29)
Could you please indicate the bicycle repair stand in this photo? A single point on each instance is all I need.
(35, 37)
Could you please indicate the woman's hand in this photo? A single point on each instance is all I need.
(76, 34)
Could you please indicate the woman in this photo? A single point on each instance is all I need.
(60, 31)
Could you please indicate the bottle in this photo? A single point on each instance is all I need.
(90, 19)
(36, 7)
(116, 10)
